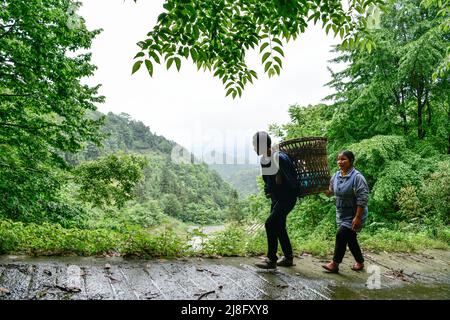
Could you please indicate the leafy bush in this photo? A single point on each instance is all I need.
(230, 242)
(256, 244)
(109, 180)
(429, 200)
(436, 192)
(165, 244)
(68, 215)
(147, 214)
(395, 176)
(311, 213)
(372, 155)
(316, 246)
(52, 239)
(409, 203)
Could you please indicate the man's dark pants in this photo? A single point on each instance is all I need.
(276, 227)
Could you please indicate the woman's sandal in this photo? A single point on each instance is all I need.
(331, 267)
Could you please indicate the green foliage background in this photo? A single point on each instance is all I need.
(75, 181)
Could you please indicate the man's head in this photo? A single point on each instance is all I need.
(262, 143)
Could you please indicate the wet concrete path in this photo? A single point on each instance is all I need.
(390, 276)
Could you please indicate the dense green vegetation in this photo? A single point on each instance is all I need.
(68, 172)
(395, 116)
(52, 239)
(392, 109)
(42, 102)
(131, 179)
(188, 192)
(75, 181)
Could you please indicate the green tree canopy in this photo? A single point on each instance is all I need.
(217, 34)
(393, 113)
(109, 180)
(443, 10)
(393, 90)
(42, 101)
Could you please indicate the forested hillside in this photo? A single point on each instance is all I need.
(241, 176)
(121, 133)
(71, 178)
(189, 192)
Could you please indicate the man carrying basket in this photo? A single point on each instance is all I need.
(280, 185)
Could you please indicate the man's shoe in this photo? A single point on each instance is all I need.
(267, 264)
(331, 267)
(285, 262)
(358, 266)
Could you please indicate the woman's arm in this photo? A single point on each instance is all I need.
(357, 220)
(361, 190)
(362, 197)
(330, 190)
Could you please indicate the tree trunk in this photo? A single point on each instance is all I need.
(448, 128)
(420, 132)
(425, 104)
(403, 112)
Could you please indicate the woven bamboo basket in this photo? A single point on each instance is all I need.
(309, 155)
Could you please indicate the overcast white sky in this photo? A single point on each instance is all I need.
(190, 106)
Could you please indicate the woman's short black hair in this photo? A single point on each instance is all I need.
(262, 136)
(350, 156)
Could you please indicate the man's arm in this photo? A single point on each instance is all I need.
(286, 171)
(267, 187)
(279, 177)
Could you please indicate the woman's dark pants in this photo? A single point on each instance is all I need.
(276, 228)
(346, 236)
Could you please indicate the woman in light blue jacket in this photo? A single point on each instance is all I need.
(351, 191)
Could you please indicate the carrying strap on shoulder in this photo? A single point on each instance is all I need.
(289, 172)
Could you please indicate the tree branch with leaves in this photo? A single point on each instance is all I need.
(217, 34)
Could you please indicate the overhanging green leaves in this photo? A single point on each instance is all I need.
(217, 34)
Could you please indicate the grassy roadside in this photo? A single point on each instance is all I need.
(234, 241)
(52, 239)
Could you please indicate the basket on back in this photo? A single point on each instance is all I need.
(309, 155)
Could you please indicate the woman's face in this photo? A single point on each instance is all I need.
(343, 162)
